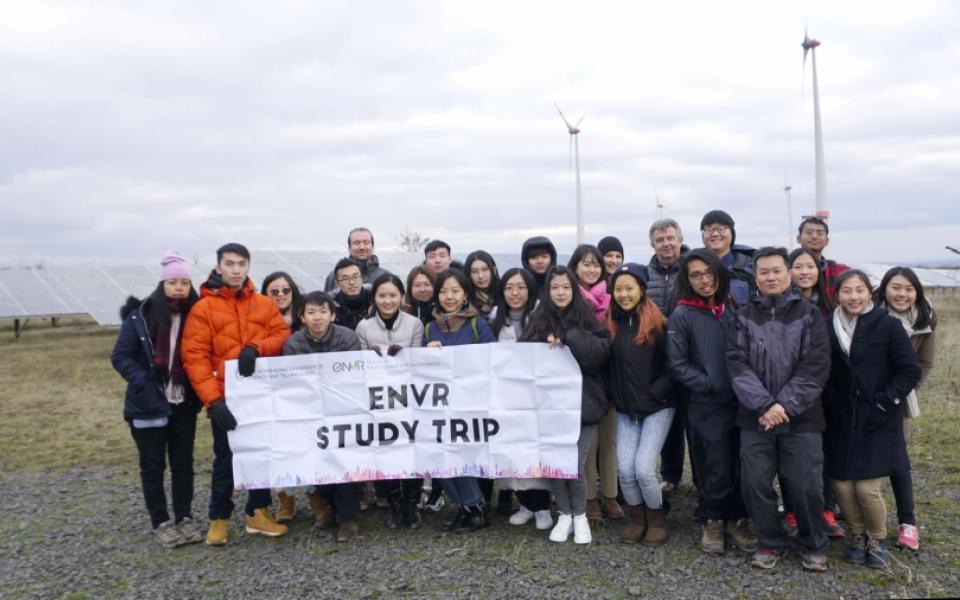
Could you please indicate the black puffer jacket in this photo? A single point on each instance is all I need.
(638, 380)
(696, 350)
(778, 352)
(864, 397)
(662, 286)
(590, 349)
(351, 311)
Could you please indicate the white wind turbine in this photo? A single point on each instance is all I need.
(573, 130)
(810, 45)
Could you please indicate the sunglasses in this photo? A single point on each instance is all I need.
(280, 291)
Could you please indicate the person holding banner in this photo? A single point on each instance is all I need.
(320, 334)
(390, 330)
(456, 323)
(230, 321)
(564, 319)
(516, 300)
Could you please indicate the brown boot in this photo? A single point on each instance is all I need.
(593, 509)
(612, 508)
(348, 531)
(286, 509)
(637, 526)
(321, 511)
(656, 534)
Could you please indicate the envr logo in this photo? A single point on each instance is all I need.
(339, 367)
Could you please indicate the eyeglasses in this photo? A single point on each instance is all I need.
(350, 278)
(275, 292)
(515, 289)
(701, 276)
(721, 229)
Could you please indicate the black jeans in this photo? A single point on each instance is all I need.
(399, 490)
(344, 498)
(715, 447)
(798, 459)
(534, 500)
(221, 481)
(154, 445)
(671, 456)
(901, 480)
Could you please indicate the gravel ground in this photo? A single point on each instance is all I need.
(85, 533)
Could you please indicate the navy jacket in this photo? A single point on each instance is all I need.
(696, 350)
(132, 358)
(864, 399)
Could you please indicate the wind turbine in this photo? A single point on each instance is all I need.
(810, 46)
(659, 204)
(573, 130)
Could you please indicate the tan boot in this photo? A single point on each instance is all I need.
(612, 508)
(348, 531)
(593, 509)
(217, 533)
(262, 523)
(713, 536)
(286, 508)
(656, 534)
(321, 511)
(637, 526)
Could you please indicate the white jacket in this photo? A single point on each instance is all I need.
(407, 332)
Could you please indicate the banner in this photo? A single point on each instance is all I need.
(486, 410)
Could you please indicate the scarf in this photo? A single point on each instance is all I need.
(160, 335)
(485, 303)
(450, 322)
(389, 321)
(716, 309)
(597, 297)
(844, 326)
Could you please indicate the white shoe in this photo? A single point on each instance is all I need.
(544, 519)
(581, 530)
(522, 516)
(562, 530)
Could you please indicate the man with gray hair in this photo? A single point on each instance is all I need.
(360, 247)
(666, 238)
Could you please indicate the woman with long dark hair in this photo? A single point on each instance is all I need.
(805, 275)
(282, 289)
(484, 281)
(902, 295)
(874, 368)
(160, 404)
(455, 323)
(564, 319)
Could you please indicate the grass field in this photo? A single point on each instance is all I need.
(61, 411)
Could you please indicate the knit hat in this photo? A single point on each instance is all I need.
(609, 244)
(638, 271)
(173, 266)
(719, 217)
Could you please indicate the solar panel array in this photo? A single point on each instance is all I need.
(100, 289)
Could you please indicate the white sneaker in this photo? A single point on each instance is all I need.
(522, 516)
(544, 519)
(581, 530)
(562, 530)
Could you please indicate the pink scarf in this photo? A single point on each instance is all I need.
(598, 299)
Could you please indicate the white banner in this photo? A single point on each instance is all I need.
(487, 410)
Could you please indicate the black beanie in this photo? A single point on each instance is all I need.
(639, 272)
(609, 244)
(720, 218)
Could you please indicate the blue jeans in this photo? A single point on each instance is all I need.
(463, 491)
(639, 442)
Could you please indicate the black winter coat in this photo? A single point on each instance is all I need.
(662, 285)
(696, 351)
(638, 381)
(590, 349)
(132, 358)
(864, 397)
(351, 311)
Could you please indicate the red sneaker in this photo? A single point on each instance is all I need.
(831, 527)
(790, 525)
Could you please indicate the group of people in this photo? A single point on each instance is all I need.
(791, 379)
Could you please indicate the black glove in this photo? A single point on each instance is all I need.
(393, 349)
(376, 349)
(222, 416)
(247, 361)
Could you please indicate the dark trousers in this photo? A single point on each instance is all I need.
(221, 481)
(715, 447)
(504, 497)
(829, 496)
(901, 480)
(534, 500)
(399, 490)
(671, 456)
(798, 459)
(344, 498)
(155, 445)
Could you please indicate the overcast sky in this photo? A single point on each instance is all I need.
(130, 128)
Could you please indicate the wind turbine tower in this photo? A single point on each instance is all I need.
(573, 130)
(810, 46)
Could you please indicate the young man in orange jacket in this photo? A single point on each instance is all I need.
(230, 321)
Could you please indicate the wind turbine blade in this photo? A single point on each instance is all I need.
(565, 121)
(578, 122)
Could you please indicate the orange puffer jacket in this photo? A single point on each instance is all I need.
(221, 324)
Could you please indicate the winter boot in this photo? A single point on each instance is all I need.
(286, 507)
(637, 526)
(656, 534)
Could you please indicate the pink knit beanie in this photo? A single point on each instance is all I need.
(173, 266)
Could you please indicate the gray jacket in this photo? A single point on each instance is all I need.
(662, 286)
(407, 331)
(337, 339)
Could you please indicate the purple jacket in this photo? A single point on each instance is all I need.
(778, 351)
